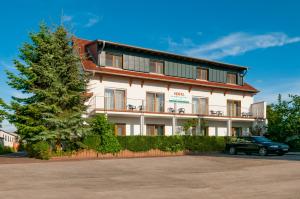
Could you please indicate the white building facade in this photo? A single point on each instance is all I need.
(148, 92)
(8, 139)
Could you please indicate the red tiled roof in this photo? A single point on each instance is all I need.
(89, 65)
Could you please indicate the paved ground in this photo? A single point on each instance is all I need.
(212, 176)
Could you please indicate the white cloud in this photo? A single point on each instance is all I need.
(66, 18)
(232, 44)
(80, 20)
(92, 20)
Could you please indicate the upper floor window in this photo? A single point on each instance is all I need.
(202, 73)
(155, 102)
(156, 66)
(231, 78)
(200, 105)
(114, 60)
(233, 107)
(114, 99)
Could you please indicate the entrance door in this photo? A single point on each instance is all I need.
(155, 129)
(120, 129)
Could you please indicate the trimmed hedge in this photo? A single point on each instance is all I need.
(173, 143)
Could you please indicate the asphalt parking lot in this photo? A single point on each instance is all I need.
(206, 176)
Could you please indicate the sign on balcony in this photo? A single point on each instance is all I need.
(179, 97)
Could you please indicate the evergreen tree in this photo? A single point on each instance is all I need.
(50, 76)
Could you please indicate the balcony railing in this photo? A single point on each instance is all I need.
(100, 103)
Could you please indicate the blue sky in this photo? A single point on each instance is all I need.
(263, 35)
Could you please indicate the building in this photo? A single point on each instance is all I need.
(8, 139)
(150, 92)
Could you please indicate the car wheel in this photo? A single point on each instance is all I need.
(232, 151)
(263, 151)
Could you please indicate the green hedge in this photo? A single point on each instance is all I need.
(40, 150)
(173, 143)
(5, 149)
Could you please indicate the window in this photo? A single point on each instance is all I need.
(120, 129)
(114, 60)
(155, 102)
(156, 66)
(155, 129)
(233, 108)
(114, 99)
(202, 73)
(200, 105)
(231, 78)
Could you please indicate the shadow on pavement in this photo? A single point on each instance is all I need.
(20, 154)
(292, 156)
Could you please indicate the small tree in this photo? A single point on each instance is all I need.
(194, 123)
(284, 118)
(108, 141)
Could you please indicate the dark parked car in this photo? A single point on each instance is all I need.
(256, 144)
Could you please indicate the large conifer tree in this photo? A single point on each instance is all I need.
(49, 74)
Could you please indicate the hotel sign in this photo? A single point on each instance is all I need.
(178, 97)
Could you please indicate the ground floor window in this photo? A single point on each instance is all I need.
(155, 129)
(120, 129)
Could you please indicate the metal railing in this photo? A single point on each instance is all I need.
(102, 103)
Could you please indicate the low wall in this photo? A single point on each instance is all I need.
(90, 154)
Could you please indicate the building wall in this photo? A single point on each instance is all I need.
(8, 139)
(136, 94)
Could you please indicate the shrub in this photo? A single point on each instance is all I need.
(5, 149)
(171, 143)
(294, 142)
(40, 150)
(108, 141)
(204, 143)
(137, 143)
(92, 141)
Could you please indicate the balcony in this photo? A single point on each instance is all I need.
(103, 104)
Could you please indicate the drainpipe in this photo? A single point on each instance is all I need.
(99, 53)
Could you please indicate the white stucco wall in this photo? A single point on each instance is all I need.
(135, 93)
(8, 139)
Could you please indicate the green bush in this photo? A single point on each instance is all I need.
(5, 149)
(170, 143)
(108, 141)
(173, 143)
(40, 150)
(137, 143)
(92, 142)
(204, 143)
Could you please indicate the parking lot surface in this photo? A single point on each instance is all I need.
(215, 176)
